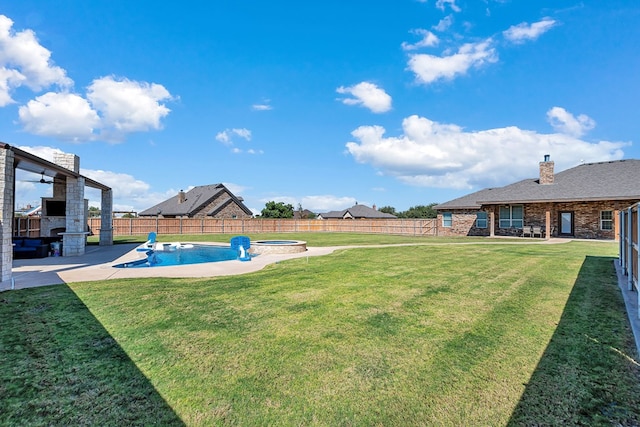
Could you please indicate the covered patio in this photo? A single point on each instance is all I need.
(68, 188)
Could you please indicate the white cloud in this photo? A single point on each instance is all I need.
(326, 203)
(47, 153)
(428, 39)
(264, 106)
(440, 4)
(429, 68)
(229, 136)
(129, 193)
(564, 122)
(112, 109)
(368, 95)
(444, 24)
(64, 116)
(524, 31)
(127, 105)
(124, 186)
(24, 62)
(432, 154)
(226, 136)
(317, 204)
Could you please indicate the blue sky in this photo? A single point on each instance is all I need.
(318, 103)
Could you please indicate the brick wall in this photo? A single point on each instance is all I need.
(463, 223)
(231, 210)
(586, 217)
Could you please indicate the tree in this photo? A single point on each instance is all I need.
(277, 210)
(388, 209)
(94, 212)
(421, 211)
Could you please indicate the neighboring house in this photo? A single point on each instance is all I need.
(304, 214)
(581, 202)
(356, 212)
(204, 201)
(29, 211)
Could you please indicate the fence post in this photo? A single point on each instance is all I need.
(630, 248)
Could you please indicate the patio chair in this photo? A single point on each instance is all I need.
(526, 231)
(535, 230)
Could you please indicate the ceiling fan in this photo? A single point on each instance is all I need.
(42, 180)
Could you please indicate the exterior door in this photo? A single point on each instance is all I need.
(566, 223)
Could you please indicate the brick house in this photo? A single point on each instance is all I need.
(214, 201)
(581, 202)
(356, 212)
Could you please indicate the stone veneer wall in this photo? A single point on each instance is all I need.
(74, 238)
(7, 159)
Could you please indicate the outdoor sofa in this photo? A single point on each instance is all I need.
(30, 247)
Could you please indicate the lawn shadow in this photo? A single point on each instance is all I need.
(587, 374)
(61, 367)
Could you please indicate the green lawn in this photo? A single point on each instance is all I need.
(482, 335)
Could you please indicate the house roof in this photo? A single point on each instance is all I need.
(613, 180)
(356, 211)
(195, 200)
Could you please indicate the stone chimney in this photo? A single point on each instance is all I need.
(181, 197)
(68, 161)
(375, 208)
(546, 171)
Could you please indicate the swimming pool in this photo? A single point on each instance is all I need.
(182, 254)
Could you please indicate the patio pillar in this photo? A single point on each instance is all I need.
(106, 218)
(6, 213)
(547, 223)
(492, 223)
(75, 235)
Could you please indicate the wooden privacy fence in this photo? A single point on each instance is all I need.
(134, 226)
(629, 240)
(137, 226)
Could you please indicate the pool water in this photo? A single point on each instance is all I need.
(193, 254)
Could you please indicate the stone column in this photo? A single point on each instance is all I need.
(492, 222)
(547, 223)
(7, 183)
(106, 214)
(74, 237)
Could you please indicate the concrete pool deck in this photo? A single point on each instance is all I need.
(98, 261)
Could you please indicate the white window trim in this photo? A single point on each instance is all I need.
(511, 219)
(602, 221)
(485, 219)
(450, 214)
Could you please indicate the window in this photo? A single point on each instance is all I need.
(446, 219)
(481, 219)
(511, 216)
(606, 220)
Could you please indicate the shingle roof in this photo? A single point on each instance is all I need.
(357, 211)
(195, 199)
(470, 201)
(614, 180)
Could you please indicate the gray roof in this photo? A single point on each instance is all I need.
(195, 200)
(470, 201)
(357, 211)
(613, 180)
